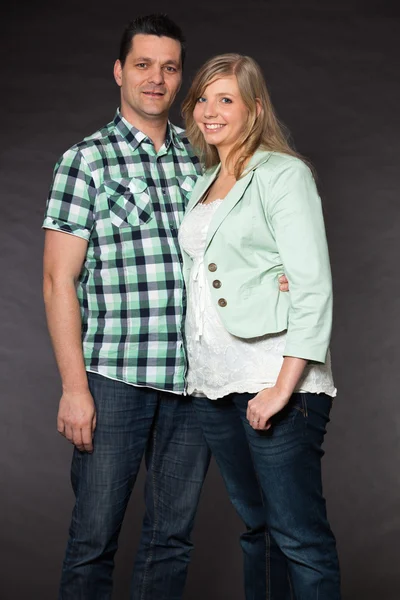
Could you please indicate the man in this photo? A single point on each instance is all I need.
(114, 298)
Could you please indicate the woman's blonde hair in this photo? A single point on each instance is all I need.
(262, 131)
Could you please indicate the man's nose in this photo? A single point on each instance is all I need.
(156, 76)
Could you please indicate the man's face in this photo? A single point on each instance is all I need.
(150, 78)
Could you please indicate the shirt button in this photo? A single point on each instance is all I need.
(212, 267)
(217, 284)
(164, 191)
(222, 302)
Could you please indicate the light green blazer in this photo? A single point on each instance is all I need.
(270, 223)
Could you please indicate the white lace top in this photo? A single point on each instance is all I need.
(220, 363)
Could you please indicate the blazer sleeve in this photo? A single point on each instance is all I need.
(296, 218)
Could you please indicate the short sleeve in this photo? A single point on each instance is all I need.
(70, 204)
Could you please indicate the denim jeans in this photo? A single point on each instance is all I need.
(132, 421)
(286, 462)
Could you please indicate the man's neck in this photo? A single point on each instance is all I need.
(155, 128)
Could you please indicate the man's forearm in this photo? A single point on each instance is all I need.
(64, 323)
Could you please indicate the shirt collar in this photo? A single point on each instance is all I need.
(173, 135)
(135, 137)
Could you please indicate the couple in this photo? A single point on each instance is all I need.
(119, 255)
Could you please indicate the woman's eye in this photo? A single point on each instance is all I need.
(201, 99)
(226, 100)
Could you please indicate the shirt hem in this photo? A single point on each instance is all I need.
(141, 385)
(252, 389)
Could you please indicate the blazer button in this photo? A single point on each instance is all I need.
(217, 284)
(212, 267)
(222, 302)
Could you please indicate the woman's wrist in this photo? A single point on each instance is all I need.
(283, 392)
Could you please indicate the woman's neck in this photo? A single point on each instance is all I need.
(223, 155)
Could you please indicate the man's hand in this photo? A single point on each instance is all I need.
(283, 283)
(265, 405)
(76, 419)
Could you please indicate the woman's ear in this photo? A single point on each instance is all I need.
(259, 106)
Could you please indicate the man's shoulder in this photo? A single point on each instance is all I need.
(93, 145)
(102, 135)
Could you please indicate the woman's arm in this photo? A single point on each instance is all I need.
(294, 210)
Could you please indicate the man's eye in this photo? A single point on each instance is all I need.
(141, 65)
(170, 69)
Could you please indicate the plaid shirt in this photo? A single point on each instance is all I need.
(127, 201)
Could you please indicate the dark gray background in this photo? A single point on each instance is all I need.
(333, 72)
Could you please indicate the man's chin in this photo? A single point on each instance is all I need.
(155, 111)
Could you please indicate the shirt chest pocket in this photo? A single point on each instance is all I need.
(128, 201)
(186, 185)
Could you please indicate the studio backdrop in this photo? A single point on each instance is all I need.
(333, 72)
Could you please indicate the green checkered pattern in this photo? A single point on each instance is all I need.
(127, 201)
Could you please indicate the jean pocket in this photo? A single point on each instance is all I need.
(292, 415)
(298, 401)
(128, 201)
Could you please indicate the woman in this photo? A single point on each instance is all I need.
(259, 366)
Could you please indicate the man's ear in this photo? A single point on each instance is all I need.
(118, 72)
(259, 107)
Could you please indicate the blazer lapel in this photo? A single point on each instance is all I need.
(230, 200)
(202, 184)
(236, 193)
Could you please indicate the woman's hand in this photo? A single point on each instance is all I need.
(270, 401)
(265, 405)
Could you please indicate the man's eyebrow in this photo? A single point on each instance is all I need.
(169, 61)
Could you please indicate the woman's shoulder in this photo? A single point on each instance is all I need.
(282, 171)
(277, 162)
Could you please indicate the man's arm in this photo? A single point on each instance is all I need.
(63, 258)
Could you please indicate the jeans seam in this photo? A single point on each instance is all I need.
(304, 401)
(290, 586)
(268, 562)
(77, 497)
(267, 532)
(155, 521)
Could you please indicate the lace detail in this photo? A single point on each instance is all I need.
(220, 363)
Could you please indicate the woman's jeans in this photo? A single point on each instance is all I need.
(285, 461)
(132, 422)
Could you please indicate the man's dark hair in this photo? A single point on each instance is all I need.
(157, 24)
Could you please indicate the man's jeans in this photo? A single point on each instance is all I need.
(132, 421)
(286, 462)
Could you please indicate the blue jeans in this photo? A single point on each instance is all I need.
(133, 421)
(286, 462)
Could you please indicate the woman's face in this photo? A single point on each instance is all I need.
(220, 113)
